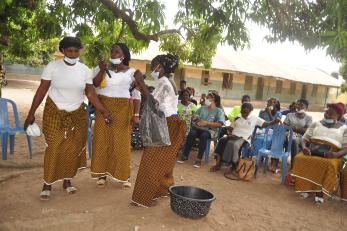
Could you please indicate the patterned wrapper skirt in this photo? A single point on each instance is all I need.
(66, 137)
(155, 174)
(111, 142)
(344, 184)
(316, 174)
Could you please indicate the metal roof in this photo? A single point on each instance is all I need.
(227, 59)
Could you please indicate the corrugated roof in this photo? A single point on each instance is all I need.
(228, 59)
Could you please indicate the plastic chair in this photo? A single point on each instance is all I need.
(208, 146)
(91, 116)
(277, 149)
(6, 131)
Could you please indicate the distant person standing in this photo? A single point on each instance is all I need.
(65, 121)
(183, 85)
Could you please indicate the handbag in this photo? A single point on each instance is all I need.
(319, 149)
(245, 169)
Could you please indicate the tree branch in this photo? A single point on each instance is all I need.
(118, 13)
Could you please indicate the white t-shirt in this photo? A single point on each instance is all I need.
(118, 85)
(244, 127)
(67, 83)
(164, 93)
(136, 94)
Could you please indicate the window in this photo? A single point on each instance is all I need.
(292, 88)
(314, 91)
(248, 83)
(227, 81)
(279, 84)
(205, 77)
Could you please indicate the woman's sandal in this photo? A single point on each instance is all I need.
(101, 182)
(304, 195)
(71, 190)
(126, 185)
(319, 200)
(45, 195)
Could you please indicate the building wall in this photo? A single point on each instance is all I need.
(193, 78)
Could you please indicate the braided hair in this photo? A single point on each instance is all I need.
(70, 41)
(169, 62)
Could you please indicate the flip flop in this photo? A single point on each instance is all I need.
(126, 185)
(319, 200)
(71, 190)
(101, 182)
(45, 195)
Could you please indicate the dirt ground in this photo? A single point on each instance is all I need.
(262, 204)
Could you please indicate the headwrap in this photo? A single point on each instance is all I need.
(70, 42)
(338, 107)
(126, 53)
(169, 62)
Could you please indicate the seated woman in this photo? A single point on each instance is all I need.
(186, 109)
(299, 121)
(205, 124)
(228, 148)
(290, 109)
(271, 111)
(324, 144)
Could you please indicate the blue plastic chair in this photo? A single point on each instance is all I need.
(91, 116)
(6, 131)
(208, 146)
(277, 149)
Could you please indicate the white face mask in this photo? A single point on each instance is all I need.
(116, 61)
(155, 75)
(71, 61)
(301, 111)
(208, 103)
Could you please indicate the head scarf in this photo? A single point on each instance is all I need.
(338, 107)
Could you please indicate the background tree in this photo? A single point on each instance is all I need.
(30, 30)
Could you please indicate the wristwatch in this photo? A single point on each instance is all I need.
(137, 114)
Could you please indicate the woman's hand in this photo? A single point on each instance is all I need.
(102, 65)
(107, 116)
(330, 155)
(136, 120)
(306, 151)
(29, 120)
(202, 123)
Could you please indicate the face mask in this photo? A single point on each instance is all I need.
(155, 75)
(328, 121)
(271, 108)
(116, 61)
(71, 61)
(208, 103)
(301, 111)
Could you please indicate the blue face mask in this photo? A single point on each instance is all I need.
(155, 74)
(328, 121)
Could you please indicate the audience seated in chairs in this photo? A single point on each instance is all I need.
(299, 121)
(228, 148)
(205, 124)
(324, 144)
